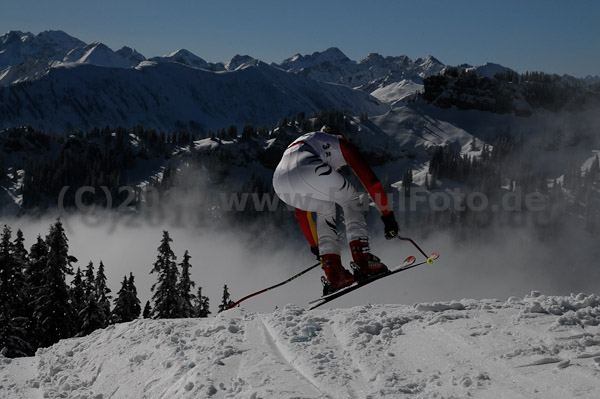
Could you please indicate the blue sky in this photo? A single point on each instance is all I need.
(551, 35)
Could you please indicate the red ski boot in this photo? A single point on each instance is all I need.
(337, 276)
(365, 263)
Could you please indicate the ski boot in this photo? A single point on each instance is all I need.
(337, 276)
(365, 263)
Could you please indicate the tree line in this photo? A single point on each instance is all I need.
(104, 156)
(466, 89)
(39, 307)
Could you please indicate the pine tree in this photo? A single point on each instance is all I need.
(13, 341)
(95, 312)
(134, 302)
(102, 295)
(89, 285)
(19, 252)
(121, 312)
(201, 304)
(34, 277)
(185, 287)
(12, 280)
(54, 314)
(147, 310)
(20, 257)
(77, 293)
(127, 304)
(226, 302)
(474, 144)
(232, 132)
(166, 296)
(92, 315)
(12, 301)
(6, 268)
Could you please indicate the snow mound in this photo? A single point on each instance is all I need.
(536, 346)
(580, 309)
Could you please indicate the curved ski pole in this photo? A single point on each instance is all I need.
(274, 286)
(430, 259)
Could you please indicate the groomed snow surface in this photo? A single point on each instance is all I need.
(535, 347)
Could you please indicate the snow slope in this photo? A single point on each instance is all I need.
(533, 347)
(168, 95)
(394, 93)
(98, 54)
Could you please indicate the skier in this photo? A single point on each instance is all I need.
(308, 179)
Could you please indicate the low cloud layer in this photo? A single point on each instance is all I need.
(510, 261)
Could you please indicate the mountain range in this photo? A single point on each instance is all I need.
(56, 82)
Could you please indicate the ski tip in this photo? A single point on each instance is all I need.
(409, 261)
(433, 257)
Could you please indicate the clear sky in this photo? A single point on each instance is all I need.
(550, 35)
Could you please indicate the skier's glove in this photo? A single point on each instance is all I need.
(390, 226)
(315, 251)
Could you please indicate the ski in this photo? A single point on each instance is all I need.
(408, 263)
(234, 304)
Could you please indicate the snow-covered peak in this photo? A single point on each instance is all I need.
(375, 60)
(17, 47)
(54, 38)
(183, 56)
(97, 54)
(331, 55)
(131, 54)
(59, 38)
(13, 36)
(430, 64)
(372, 57)
(238, 61)
(489, 69)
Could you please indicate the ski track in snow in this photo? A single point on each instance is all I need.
(533, 347)
(288, 361)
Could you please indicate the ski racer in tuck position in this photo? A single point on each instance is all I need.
(308, 179)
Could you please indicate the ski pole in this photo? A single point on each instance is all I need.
(274, 286)
(430, 259)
